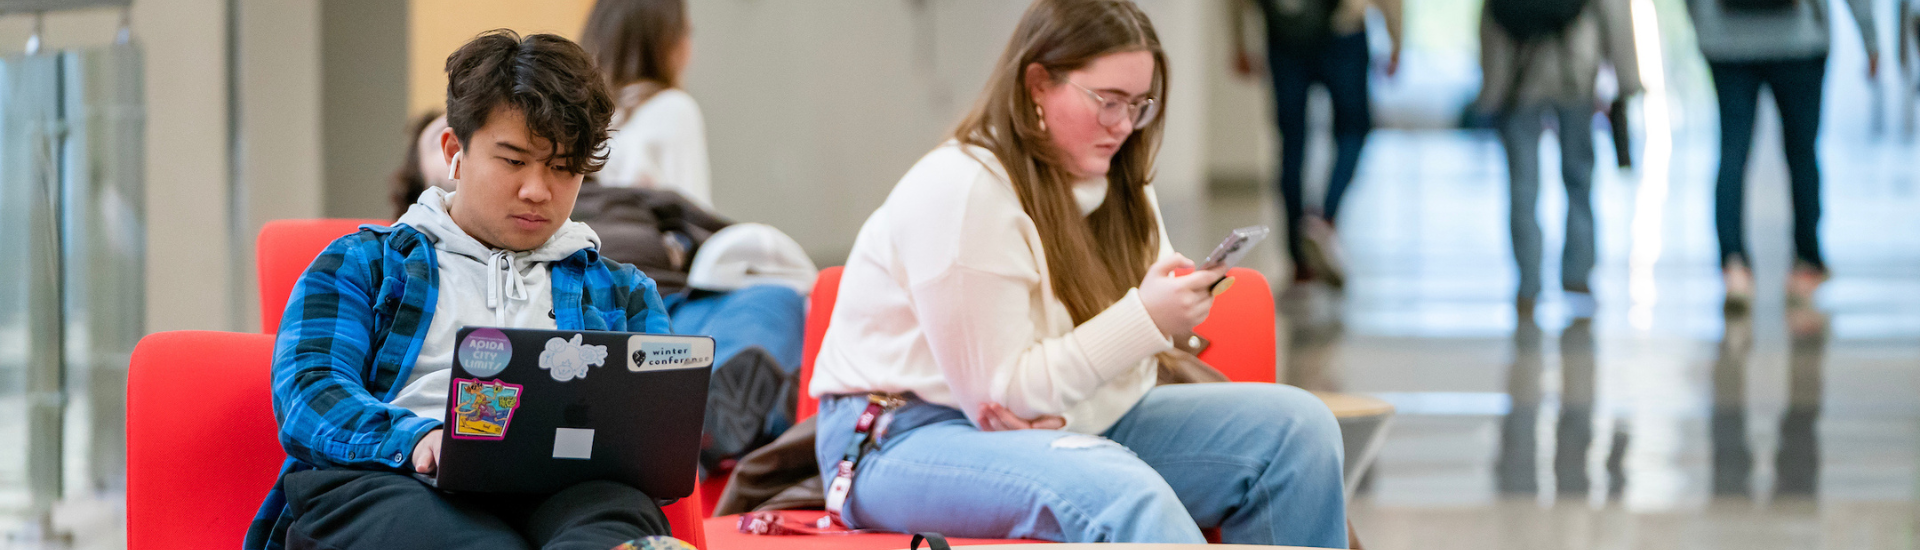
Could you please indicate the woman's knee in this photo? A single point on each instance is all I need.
(1302, 419)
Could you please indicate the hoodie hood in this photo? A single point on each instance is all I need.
(507, 271)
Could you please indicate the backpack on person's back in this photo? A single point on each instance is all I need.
(1757, 5)
(1303, 26)
(1529, 20)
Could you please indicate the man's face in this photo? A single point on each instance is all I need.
(512, 196)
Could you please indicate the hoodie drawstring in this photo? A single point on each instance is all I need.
(500, 265)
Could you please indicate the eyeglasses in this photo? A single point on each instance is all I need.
(1141, 111)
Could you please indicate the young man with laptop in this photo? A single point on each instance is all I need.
(373, 345)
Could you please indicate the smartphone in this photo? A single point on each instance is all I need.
(1238, 244)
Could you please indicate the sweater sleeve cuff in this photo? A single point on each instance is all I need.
(1120, 337)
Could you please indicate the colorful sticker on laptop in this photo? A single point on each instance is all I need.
(568, 359)
(484, 409)
(485, 352)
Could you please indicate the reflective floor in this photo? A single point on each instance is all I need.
(1661, 421)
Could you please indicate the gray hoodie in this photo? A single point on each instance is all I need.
(478, 286)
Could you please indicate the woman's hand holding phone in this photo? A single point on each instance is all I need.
(1177, 303)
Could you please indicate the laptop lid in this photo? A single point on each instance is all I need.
(537, 411)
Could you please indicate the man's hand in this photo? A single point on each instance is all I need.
(1393, 63)
(1873, 65)
(426, 453)
(995, 418)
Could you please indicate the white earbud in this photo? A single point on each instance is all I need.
(453, 167)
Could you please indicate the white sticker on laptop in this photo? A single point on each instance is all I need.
(650, 352)
(568, 359)
(573, 443)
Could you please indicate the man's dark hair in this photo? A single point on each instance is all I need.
(549, 79)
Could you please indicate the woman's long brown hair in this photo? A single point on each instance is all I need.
(634, 40)
(1093, 260)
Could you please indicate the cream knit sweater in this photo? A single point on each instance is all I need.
(946, 294)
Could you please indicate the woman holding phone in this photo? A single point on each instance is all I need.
(990, 371)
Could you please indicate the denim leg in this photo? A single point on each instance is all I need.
(952, 478)
(1797, 87)
(1291, 78)
(1737, 86)
(772, 317)
(1520, 133)
(1260, 461)
(1345, 65)
(1576, 171)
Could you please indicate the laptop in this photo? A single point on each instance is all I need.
(537, 411)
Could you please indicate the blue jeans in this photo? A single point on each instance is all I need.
(1341, 67)
(1261, 462)
(1520, 130)
(1797, 86)
(772, 317)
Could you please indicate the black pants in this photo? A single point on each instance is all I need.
(346, 509)
(1796, 86)
(1342, 67)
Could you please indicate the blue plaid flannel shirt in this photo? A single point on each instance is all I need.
(353, 328)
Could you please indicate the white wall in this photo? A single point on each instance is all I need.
(815, 109)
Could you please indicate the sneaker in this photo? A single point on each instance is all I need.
(742, 393)
(1322, 249)
(1739, 282)
(1805, 280)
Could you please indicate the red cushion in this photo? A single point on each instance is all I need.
(826, 289)
(1241, 329)
(202, 449)
(723, 533)
(283, 252)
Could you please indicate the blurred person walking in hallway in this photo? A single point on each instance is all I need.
(1783, 45)
(1324, 42)
(1540, 60)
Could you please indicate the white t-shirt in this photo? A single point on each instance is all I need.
(946, 294)
(661, 144)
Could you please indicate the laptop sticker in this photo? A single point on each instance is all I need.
(485, 408)
(654, 353)
(573, 443)
(485, 352)
(566, 360)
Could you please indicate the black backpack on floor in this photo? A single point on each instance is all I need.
(1527, 20)
(1299, 26)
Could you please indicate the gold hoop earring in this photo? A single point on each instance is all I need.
(1042, 114)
